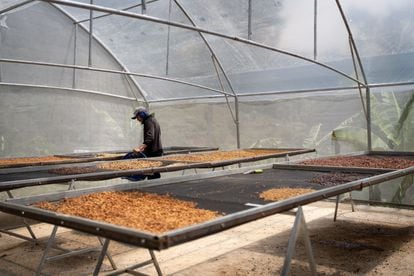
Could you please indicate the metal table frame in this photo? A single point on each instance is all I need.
(94, 156)
(168, 239)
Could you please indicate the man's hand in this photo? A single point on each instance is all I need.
(140, 148)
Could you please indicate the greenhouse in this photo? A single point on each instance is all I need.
(302, 97)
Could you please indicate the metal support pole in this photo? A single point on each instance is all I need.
(90, 35)
(300, 224)
(75, 42)
(336, 207)
(26, 224)
(1, 30)
(287, 158)
(368, 101)
(154, 259)
(249, 22)
(48, 246)
(352, 202)
(215, 58)
(108, 255)
(315, 30)
(236, 106)
(16, 6)
(352, 42)
(168, 39)
(101, 257)
(143, 6)
(130, 269)
(71, 185)
(357, 76)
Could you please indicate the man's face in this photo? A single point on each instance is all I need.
(139, 119)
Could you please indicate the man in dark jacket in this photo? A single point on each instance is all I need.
(151, 146)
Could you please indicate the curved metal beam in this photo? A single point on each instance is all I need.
(140, 89)
(16, 6)
(70, 89)
(192, 28)
(352, 40)
(112, 71)
(236, 120)
(108, 14)
(368, 97)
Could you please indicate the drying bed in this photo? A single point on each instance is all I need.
(224, 158)
(231, 193)
(134, 209)
(36, 161)
(367, 161)
(86, 171)
(86, 157)
(57, 159)
(30, 176)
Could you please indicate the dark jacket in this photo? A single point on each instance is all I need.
(152, 137)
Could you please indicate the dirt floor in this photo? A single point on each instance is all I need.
(370, 241)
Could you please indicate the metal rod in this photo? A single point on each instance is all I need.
(90, 35)
(71, 253)
(168, 38)
(72, 185)
(143, 6)
(356, 74)
(369, 137)
(75, 41)
(249, 21)
(352, 202)
(209, 47)
(299, 224)
(108, 14)
(16, 6)
(141, 91)
(29, 229)
(154, 259)
(101, 257)
(315, 30)
(336, 207)
(352, 41)
(113, 71)
(108, 255)
(1, 31)
(70, 89)
(48, 246)
(5, 231)
(222, 88)
(130, 269)
(236, 104)
(308, 245)
(216, 59)
(300, 91)
(192, 28)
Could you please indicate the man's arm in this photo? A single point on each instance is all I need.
(148, 137)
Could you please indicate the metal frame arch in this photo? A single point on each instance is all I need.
(140, 90)
(368, 93)
(216, 59)
(80, 67)
(188, 27)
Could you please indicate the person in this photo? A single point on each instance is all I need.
(151, 145)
